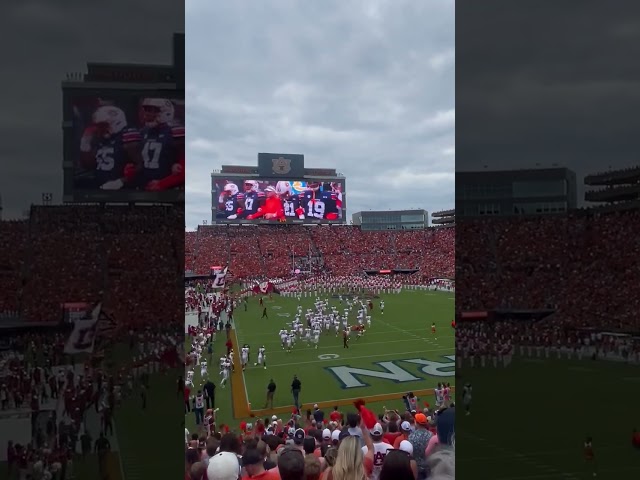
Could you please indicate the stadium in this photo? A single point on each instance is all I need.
(354, 312)
(552, 328)
(91, 294)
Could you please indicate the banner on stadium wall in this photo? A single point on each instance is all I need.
(83, 336)
(73, 311)
(219, 277)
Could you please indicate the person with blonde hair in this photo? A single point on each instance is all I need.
(349, 462)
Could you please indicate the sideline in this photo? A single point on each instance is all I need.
(239, 397)
(345, 401)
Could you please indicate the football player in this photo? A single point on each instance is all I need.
(319, 203)
(111, 149)
(272, 208)
(290, 202)
(231, 199)
(162, 147)
(253, 199)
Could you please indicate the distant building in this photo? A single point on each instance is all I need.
(445, 218)
(614, 187)
(391, 219)
(515, 192)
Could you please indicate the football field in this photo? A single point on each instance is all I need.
(398, 354)
(557, 404)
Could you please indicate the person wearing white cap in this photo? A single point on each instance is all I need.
(326, 435)
(407, 447)
(223, 466)
(405, 429)
(373, 459)
(335, 437)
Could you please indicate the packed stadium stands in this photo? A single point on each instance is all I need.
(576, 263)
(345, 250)
(40, 259)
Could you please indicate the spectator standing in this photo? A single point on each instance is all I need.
(349, 462)
(335, 416)
(291, 464)
(296, 387)
(210, 390)
(223, 466)
(271, 390)
(253, 464)
(396, 466)
(405, 429)
(318, 415)
(379, 448)
(419, 439)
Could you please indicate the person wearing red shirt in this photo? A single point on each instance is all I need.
(253, 464)
(272, 209)
(335, 416)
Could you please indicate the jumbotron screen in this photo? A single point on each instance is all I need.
(259, 200)
(127, 147)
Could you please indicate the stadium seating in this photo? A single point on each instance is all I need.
(568, 264)
(86, 254)
(266, 251)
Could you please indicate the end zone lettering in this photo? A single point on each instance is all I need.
(350, 377)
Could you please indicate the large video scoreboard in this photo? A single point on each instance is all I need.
(124, 133)
(278, 190)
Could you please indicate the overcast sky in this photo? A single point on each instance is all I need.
(364, 86)
(544, 83)
(42, 43)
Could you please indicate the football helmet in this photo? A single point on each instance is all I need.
(109, 120)
(250, 186)
(157, 111)
(231, 188)
(283, 188)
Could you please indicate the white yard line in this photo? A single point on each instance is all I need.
(345, 359)
(301, 342)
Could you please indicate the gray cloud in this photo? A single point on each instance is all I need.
(366, 87)
(548, 83)
(42, 44)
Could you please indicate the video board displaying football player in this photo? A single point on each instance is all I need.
(133, 143)
(278, 201)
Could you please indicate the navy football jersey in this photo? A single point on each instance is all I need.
(318, 204)
(160, 150)
(290, 205)
(111, 156)
(231, 204)
(252, 201)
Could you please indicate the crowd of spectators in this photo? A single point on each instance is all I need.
(344, 250)
(90, 254)
(356, 445)
(575, 265)
(128, 258)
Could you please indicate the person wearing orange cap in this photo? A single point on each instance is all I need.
(419, 438)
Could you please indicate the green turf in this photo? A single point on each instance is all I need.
(145, 436)
(403, 332)
(536, 428)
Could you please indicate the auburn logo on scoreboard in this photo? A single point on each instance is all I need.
(281, 165)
